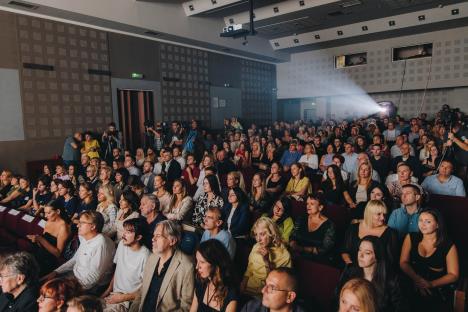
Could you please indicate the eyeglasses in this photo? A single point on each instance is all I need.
(270, 289)
(44, 297)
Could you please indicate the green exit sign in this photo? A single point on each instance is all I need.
(137, 76)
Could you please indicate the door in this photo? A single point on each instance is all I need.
(136, 108)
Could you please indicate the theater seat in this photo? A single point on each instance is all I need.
(317, 282)
(339, 215)
(298, 208)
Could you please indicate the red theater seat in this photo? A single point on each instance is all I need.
(340, 217)
(298, 208)
(317, 282)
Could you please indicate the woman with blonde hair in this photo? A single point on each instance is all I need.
(233, 179)
(373, 224)
(181, 204)
(267, 254)
(107, 208)
(360, 189)
(358, 294)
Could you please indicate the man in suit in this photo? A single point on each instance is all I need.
(170, 168)
(169, 274)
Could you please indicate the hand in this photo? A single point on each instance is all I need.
(264, 252)
(422, 283)
(34, 191)
(114, 298)
(451, 135)
(32, 238)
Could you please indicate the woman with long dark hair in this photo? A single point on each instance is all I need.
(128, 209)
(49, 246)
(215, 285)
(236, 213)
(372, 266)
(334, 189)
(430, 259)
(280, 213)
(210, 198)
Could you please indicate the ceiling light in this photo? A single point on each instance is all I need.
(421, 17)
(455, 11)
(364, 28)
(391, 23)
(275, 9)
(301, 3)
(317, 37)
(296, 40)
(340, 33)
(191, 8)
(276, 44)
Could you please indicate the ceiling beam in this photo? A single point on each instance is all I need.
(195, 7)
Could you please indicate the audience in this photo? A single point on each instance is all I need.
(358, 295)
(287, 214)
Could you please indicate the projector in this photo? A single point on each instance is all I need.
(234, 31)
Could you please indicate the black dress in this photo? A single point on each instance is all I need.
(426, 267)
(333, 196)
(389, 239)
(47, 261)
(323, 238)
(281, 183)
(200, 288)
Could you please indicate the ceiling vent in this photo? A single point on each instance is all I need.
(24, 5)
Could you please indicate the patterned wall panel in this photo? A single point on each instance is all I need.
(184, 83)
(258, 81)
(57, 103)
(313, 73)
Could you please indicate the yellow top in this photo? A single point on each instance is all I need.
(296, 186)
(257, 271)
(91, 148)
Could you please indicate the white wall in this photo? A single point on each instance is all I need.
(11, 115)
(312, 74)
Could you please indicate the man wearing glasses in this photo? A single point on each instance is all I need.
(279, 293)
(92, 263)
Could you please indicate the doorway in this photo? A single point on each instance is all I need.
(136, 108)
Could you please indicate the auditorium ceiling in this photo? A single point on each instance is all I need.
(282, 27)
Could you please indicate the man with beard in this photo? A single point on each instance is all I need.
(130, 259)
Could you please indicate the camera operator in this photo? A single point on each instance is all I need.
(154, 137)
(175, 136)
(110, 139)
(458, 139)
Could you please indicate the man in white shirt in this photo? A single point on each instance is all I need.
(213, 225)
(177, 155)
(129, 164)
(130, 259)
(92, 263)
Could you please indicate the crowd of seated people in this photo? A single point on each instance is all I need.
(166, 228)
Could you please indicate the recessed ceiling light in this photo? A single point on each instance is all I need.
(421, 17)
(276, 44)
(191, 8)
(455, 11)
(275, 9)
(364, 28)
(340, 33)
(296, 40)
(391, 23)
(301, 3)
(317, 37)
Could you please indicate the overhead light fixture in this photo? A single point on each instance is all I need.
(296, 40)
(275, 9)
(214, 1)
(231, 21)
(191, 8)
(364, 28)
(421, 17)
(317, 37)
(391, 23)
(350, 3)
(455, 11)
(276, 44)
(301, 3)
(340, 33)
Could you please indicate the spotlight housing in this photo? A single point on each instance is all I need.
(421, 17)
(277, 44)
(231, 21)
(301, 3)
(275, 9)
(339, 33)
(214, 1)
(364, 28)
(191, 8)
(296, 40)
(317, 37)
(455, 11)
(391, 23)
